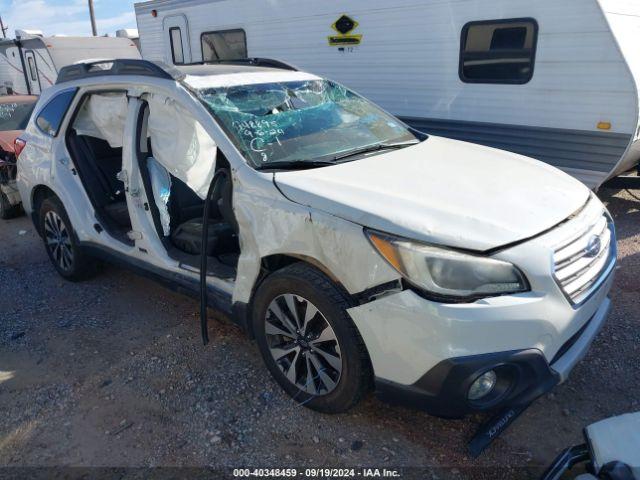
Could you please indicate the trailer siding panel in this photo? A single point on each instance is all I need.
(408, 63)
(566, 149)
(624, 20)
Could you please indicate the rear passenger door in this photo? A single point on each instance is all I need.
(176, 40)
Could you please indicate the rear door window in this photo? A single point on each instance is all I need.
(50, 117)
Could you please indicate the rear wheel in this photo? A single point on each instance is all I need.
(59, 240)
(308, 341)
(7, 210)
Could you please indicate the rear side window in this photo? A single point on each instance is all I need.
(498, 51)
(177, 52)
(50, 117)
(224, 45)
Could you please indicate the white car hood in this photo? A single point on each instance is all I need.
(444, 192)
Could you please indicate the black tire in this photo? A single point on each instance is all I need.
(67, 257)
(332, 302)
(7, 210)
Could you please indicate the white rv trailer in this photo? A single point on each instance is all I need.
(554, 80)
(31, 62)
(131, 34)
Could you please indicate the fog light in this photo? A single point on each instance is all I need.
(482, 385)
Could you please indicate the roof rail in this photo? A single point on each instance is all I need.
(251, 61)
(99, 68)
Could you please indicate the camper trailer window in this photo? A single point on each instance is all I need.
(32, 69)
(296, 122)
(50, 117)
(224, 45)
(499, 51)
(175, 35)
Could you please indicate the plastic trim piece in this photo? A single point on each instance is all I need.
(144, 68)
(217, 298)
(442, 391)
(250, 62)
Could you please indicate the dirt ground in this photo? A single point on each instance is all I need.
(112, 373)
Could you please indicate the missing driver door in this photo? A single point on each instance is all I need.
(176, 40)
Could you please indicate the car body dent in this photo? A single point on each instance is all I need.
(441, 190)
(270, 224)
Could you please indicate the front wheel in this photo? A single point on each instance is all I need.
(59, 240)
(308, 341)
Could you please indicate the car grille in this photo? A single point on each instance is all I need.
(584, 260)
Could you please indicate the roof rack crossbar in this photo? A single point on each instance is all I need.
(112, 67)
(251, 61)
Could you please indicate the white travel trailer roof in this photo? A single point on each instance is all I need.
(31, 63)
(68, 50)
(578, 111)
(127, 33)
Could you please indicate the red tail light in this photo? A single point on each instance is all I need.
(18, 146)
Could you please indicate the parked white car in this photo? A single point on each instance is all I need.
(358, 252)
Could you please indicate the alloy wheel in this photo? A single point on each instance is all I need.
(303, 344)
(58, 240)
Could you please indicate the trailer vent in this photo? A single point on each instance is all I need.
(584, 261)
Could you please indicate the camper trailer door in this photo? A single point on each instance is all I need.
(32, 72)
(176, 40)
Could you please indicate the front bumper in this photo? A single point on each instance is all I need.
(442, 391)
(428, 353)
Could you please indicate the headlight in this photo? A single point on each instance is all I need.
(448, 273)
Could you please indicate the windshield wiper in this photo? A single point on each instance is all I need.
(295, 164)
(373, 148)
(304, 164)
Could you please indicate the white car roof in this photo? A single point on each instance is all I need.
(260, 75)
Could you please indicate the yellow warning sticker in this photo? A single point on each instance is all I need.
(344, 40)
(344, 26)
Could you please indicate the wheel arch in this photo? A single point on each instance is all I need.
(269, 265)
(339, 302)
(39, 194)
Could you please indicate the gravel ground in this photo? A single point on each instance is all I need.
(112, 373)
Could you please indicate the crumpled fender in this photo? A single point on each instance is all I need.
(270, 224)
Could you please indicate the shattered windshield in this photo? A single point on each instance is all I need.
(301, 121)
(15, 116)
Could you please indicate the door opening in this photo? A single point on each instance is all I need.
(32, 75)
(95, 143)
(177, 211)
(176, 40)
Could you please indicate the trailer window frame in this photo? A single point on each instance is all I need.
(228, 30)
(172, 45)
(32, 68)
(501, 22)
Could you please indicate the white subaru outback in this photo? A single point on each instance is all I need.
(356, 251)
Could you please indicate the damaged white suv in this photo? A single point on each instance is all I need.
(357, 251)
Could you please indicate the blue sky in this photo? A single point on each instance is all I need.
(69, 17)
